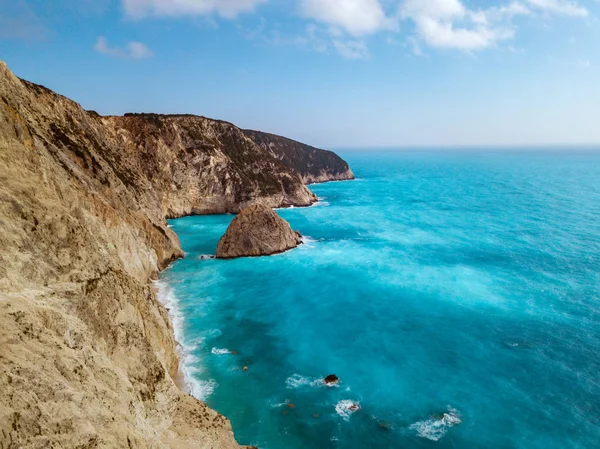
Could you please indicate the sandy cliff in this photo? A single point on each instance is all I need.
(87, 353)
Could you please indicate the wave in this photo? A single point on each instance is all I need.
(279, 404)
(297, 381)
(436, 427)
(200, 389)
(218, 351)
(320, 203)
(308, 242)
(346, 408)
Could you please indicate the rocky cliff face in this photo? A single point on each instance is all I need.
(310, 163)
(201, 166)
(87, 353)
(257, 231)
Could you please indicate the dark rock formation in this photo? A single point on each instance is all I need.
(312, 164)
(332, 379)
(257, 231)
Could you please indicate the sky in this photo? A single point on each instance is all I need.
(331, 73)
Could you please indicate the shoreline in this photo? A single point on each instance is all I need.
(183, 379)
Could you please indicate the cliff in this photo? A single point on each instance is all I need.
(87, 353)
(310, 163)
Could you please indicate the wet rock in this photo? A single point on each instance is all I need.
(384, 425)
(331, 380)
(257, 231)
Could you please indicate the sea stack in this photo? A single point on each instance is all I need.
(257, 231)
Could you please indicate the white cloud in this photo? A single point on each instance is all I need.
(345, 25)
(351, 49)
(133, 50)
(174, 8)
(356, 17)
(560, 7)
(449, 24)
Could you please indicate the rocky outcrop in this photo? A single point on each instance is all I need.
(331, 380)
(310, 163)
(87, 353)
(257, 231)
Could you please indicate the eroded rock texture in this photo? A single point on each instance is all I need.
(87, 353)
(257, 231)
(312, 164)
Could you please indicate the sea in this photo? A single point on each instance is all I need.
(454, 293)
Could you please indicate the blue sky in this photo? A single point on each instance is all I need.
(333, 73)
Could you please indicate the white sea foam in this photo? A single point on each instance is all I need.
(296, 381)
(346, 408)
(201, 389)
(279, 404)
(308, 242)
(436, 427)
(218, 351)
(334, 180)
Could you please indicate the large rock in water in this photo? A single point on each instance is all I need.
(257, 231)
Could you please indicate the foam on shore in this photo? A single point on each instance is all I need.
(200, 389)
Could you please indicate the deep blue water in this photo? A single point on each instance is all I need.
(456, 295)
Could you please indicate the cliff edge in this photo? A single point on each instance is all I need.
(87, 353)
(311, 164)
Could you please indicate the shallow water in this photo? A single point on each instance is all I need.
(456, 295)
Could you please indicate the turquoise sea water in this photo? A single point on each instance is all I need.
(455, 294)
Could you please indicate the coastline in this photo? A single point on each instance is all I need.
(84, 232)
(184, 378)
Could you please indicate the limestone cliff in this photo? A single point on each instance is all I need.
(257, 231)
(312, 164)
(87, 353)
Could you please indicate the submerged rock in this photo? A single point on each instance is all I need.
(257, 231)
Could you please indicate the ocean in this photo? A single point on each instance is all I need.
(456, 295)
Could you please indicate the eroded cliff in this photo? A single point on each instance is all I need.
(310, 163)
(87, 353)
